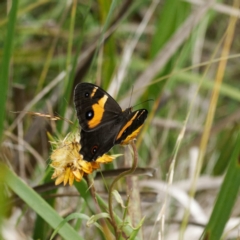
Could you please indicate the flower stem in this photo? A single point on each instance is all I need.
(123, 174)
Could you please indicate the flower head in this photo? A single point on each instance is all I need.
(68, 163)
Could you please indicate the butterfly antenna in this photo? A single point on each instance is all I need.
(149, 100)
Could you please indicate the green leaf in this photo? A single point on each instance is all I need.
(39, 205)
(94, 218)
(68, 218)
(118, 198)
(135, 230)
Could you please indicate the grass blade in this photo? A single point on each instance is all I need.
(7, 52)
(41, 207)
(226, 197)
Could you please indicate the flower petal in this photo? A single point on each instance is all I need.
(59, 179)
(105, 159)
(86, 166)
(66, 175)
(78, 174)
(71, 178)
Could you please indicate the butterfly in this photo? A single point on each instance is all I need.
(103, 122)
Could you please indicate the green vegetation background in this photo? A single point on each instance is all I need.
(176, 59)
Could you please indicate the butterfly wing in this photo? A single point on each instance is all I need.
(131, 126)
(95, 107)
(103, 122)
(94, 144)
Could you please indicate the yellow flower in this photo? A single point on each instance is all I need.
(69, 165)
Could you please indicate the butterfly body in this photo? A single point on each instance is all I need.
(103, 122)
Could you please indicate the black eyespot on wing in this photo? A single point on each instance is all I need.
(86, 94)
(89, 115)
(94, 149)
